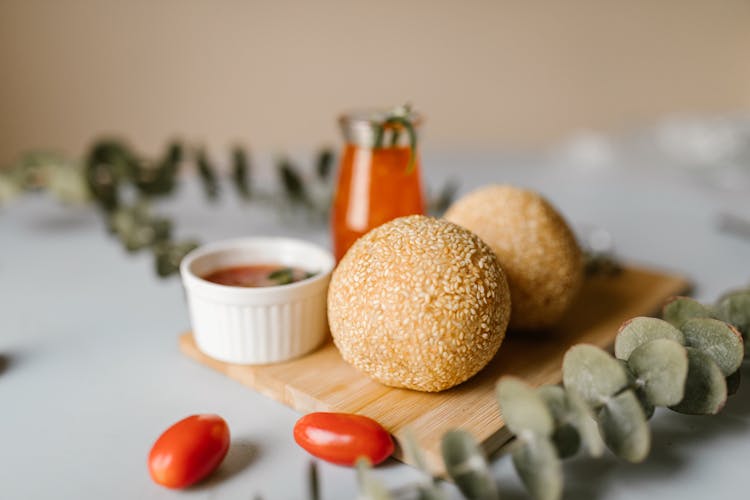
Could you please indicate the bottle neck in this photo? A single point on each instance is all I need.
(364, 129)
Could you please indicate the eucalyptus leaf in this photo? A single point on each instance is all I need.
(158, 178)
(567, 440)
(294, 186)
(67, 183)
(705, 387)
(718, 339)
(369, 487)
(539, 468)
(637, 331)
(733, 382)
(677, 310)
(565, 436)
(631, 375)
(168, 256)
(414, 453)
(557, 402)
(624, 427)
(730, 292)
(241, 172)
(584, 420)
(661, 367)
(523, 409)
(648, 408)
(734, 308)
(466, 464)
(208, 175)
(593, 373)
(431, 492)
(324, 164)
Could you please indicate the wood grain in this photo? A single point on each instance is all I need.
(322, 381)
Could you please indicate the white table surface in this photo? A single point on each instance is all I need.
(91, 373)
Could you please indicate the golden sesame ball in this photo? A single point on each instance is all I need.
(535, 247)
(419, 303)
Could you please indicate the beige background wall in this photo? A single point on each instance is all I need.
(275, 74)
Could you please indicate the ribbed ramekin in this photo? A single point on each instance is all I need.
(257, 325)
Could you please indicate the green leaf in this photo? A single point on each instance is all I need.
(324, 164)
(158, 178)
(168, 256)
(282, 276)
(574, 422)
(430, 492)
(624, 427)
(593, 374)
(565, 436)
(208, 175)
(637, 331)
(539, 468)
(557, 402)
(733, 382)
(648, 408)
(705, 387)
(413, 452)
(369, 487)
(567, 440)
(67, 182)
(294, 186)
(734, 308)
(466, 464)
(584, 420)
(107, 165)
(660, 367)
(677, 310)
(718, 339)
(729, 293)
(241, 172)
(523, 409)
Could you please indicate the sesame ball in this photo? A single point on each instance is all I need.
(418, 303)
(535, 247)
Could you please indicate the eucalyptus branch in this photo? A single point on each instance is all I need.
(688, 361)
(122, 183)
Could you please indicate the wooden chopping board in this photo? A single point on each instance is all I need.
(322, 381)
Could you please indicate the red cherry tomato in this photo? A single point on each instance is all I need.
(189, 451)
(341, 438)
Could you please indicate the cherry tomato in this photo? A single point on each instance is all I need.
(189, 451)
(341, 438)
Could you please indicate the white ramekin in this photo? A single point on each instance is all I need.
(257, 325)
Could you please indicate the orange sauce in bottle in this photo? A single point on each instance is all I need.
(374, 186)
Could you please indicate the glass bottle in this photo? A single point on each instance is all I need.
(379, 175)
